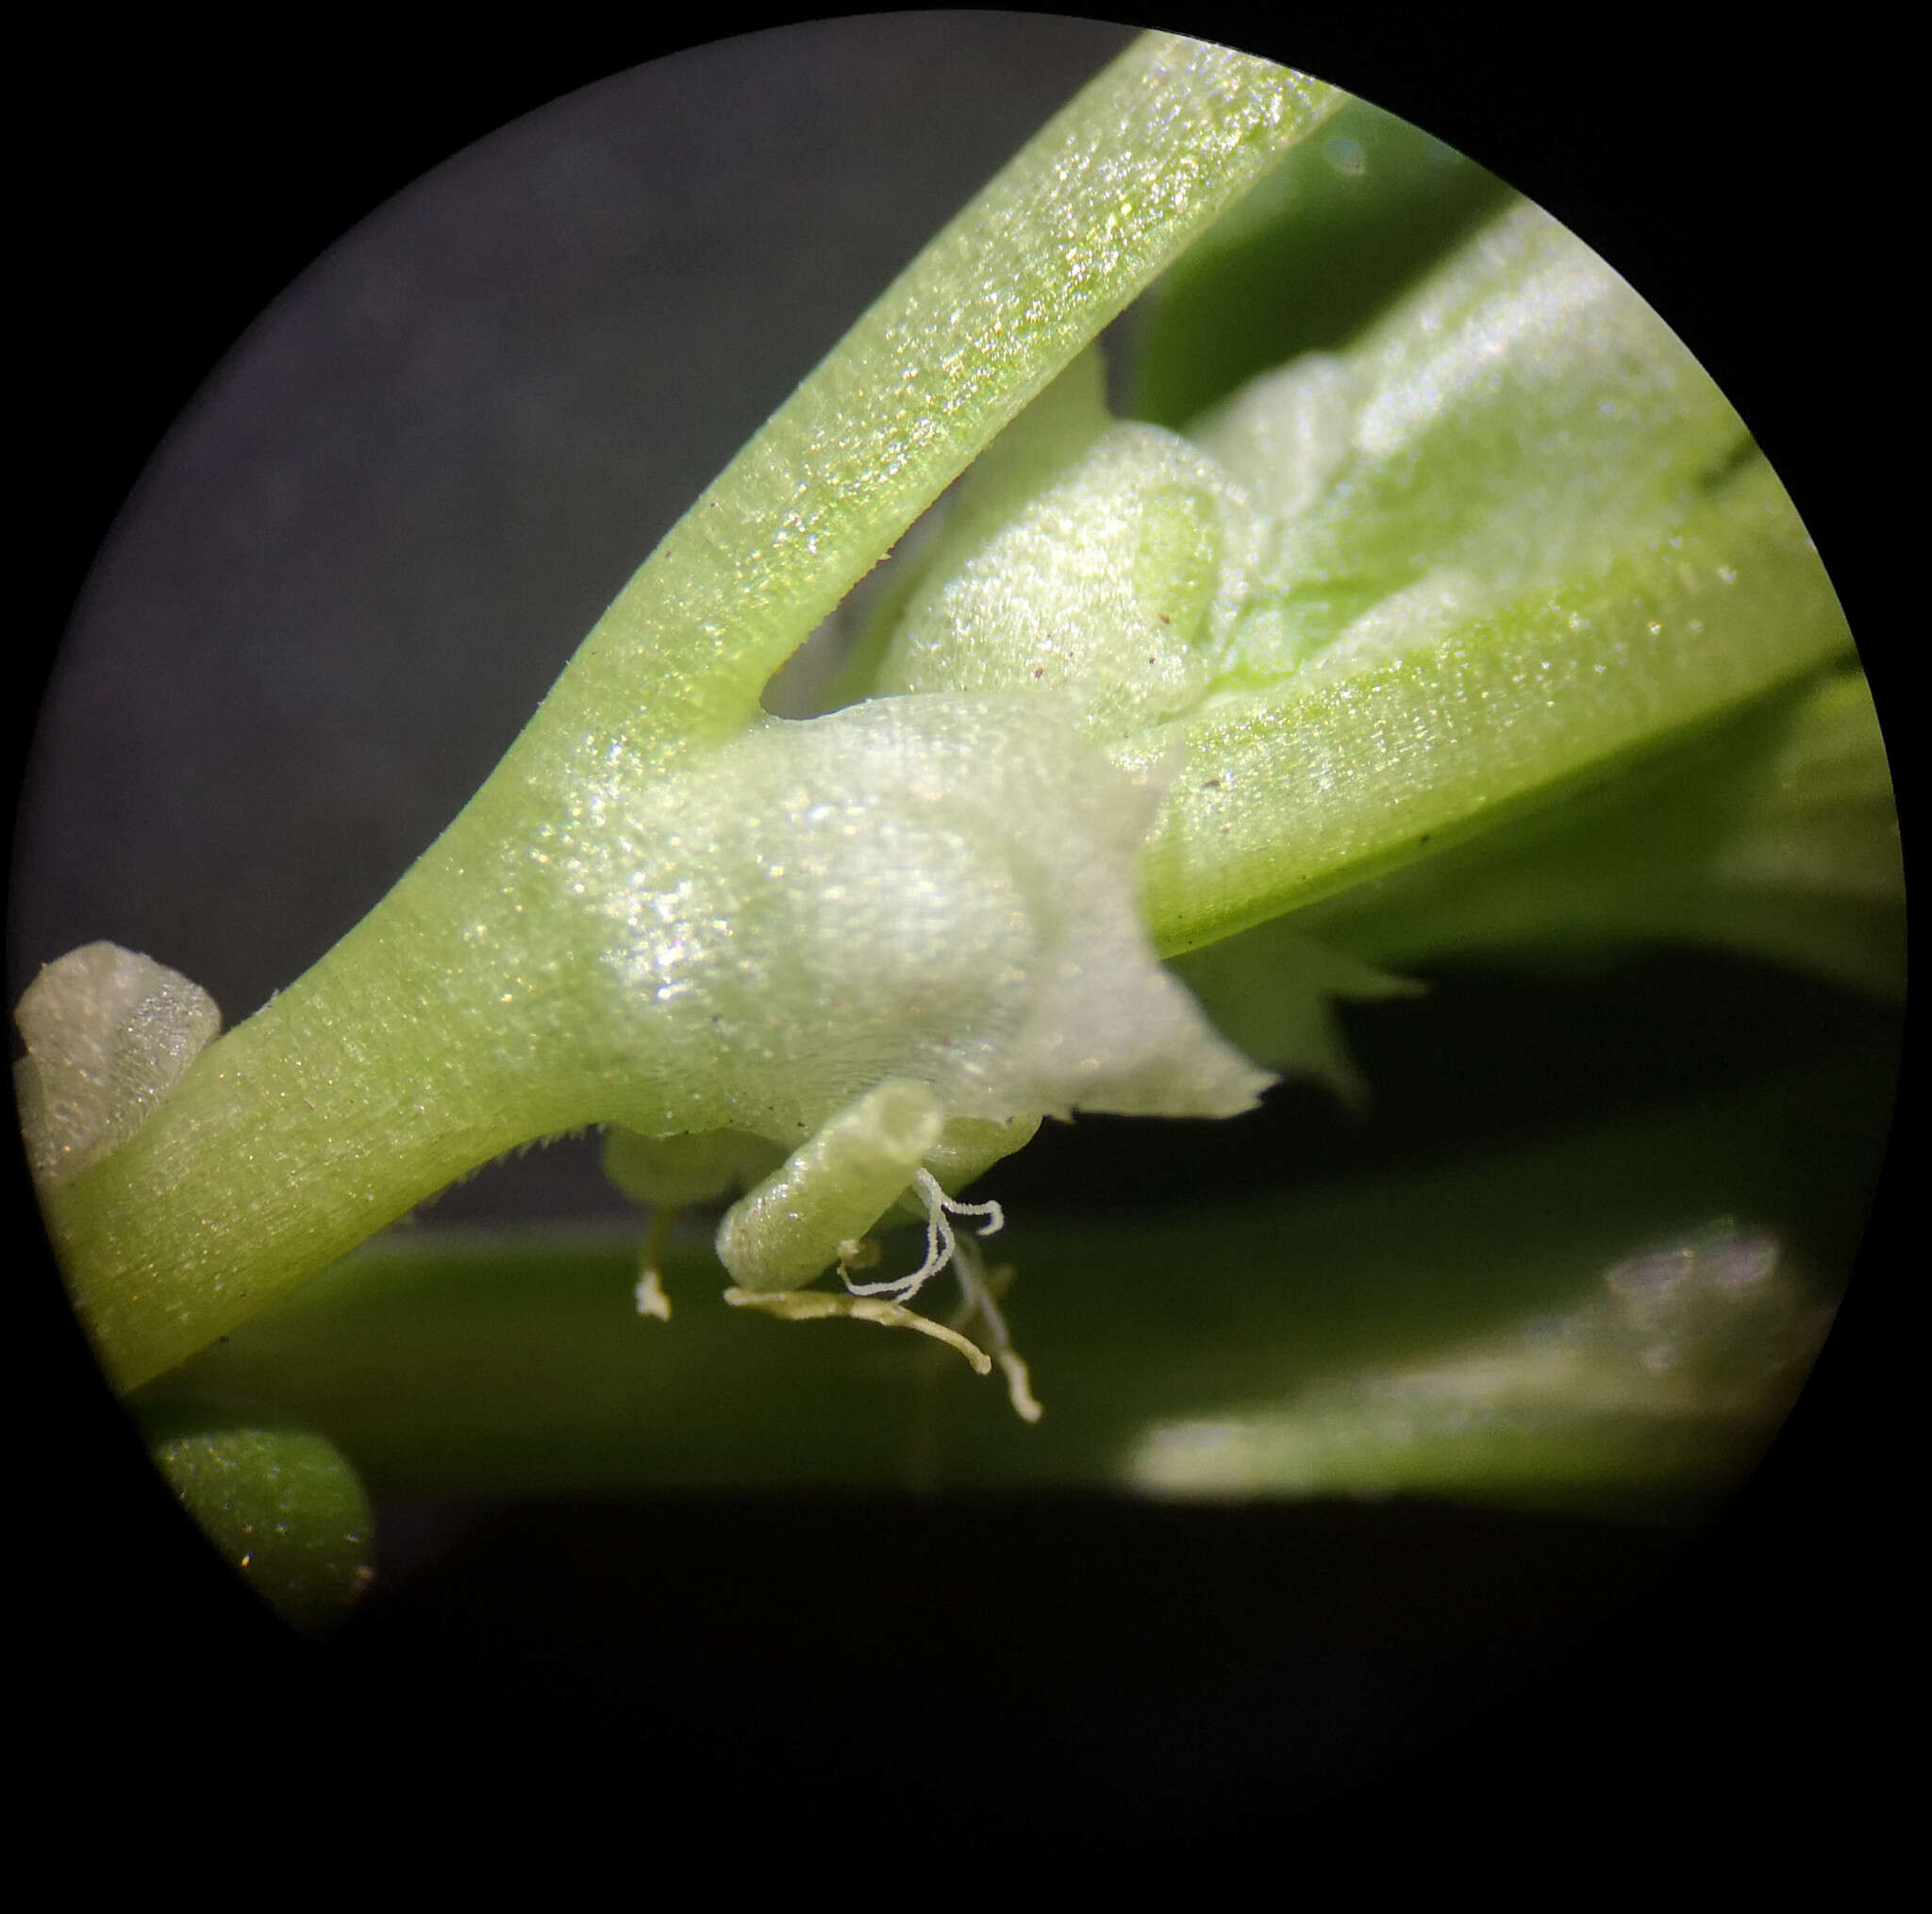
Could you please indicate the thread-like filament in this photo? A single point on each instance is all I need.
(940, 1243)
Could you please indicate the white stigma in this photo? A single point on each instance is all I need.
(940, 1241)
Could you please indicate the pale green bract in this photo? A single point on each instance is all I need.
(938, 885)
(932, 888)
(109, 1034)
(1106, 562)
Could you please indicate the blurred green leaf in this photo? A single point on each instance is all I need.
(276, 1498)
(519, 1366)
(1306, 261)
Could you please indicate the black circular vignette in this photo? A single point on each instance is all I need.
(1735, 1679)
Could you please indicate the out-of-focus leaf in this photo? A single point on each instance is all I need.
(276, 1498)
(1671, 1375)
(452, 1367)
(1307, 260)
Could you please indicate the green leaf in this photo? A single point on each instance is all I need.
(277, 1499)
(1486, 1327)
(1305, 262)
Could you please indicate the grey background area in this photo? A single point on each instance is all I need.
(370, 543)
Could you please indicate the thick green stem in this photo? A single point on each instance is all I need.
(455, 1020)
(352, 1096)
(1142, 161)
(1393, 762)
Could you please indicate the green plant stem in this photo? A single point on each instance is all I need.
(345, 1101)
(1069, 232)
(431, 1039)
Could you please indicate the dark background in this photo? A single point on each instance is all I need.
(387, 518)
